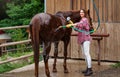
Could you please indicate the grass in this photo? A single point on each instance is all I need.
(16, 64)
(10, 66)
(117, 65)
(13, 55)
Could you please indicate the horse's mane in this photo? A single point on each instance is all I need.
(66, 13)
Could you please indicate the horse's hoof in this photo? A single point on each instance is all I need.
(66, 71)
(54, 70)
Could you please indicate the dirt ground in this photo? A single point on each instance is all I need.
(74, 66)
(112, 72)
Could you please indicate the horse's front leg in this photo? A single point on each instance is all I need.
(55, 56)
(47, 47)
(66, 42)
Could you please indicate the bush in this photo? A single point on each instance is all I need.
(21, 14)
(117, 65)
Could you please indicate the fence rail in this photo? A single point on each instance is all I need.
(14, 27)
(11, 60)
(15, 43)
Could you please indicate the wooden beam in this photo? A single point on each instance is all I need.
(94, 35)
(11, 60)
(14, 27)
(14, 43)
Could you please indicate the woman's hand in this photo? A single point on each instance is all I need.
(74, 24)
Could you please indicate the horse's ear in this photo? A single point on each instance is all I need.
(88, 12)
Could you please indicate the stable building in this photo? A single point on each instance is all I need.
(110, 20)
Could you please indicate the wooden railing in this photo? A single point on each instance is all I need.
(15, 43)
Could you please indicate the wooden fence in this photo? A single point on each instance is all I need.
(110, 21)
(15, 43)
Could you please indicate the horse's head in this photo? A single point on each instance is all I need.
(74, 15)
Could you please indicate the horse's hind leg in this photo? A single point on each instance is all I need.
(66, 42)
(47, 47)
(55, 56)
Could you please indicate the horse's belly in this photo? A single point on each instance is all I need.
(52, 36)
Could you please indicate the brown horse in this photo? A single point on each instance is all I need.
(43, 29)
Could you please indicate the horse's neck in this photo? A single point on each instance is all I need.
(62, 18)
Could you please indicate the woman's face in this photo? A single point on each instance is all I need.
(82, 14)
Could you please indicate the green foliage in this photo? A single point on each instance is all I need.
(20, 12)
(18, 35)
(117, 65)
(10, 66)
(17, 64)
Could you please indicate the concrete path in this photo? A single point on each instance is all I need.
(74, 66)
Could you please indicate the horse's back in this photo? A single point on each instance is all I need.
(43, 18)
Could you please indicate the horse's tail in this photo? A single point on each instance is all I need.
(34, 31)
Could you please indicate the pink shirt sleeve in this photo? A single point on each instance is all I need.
(83, 24)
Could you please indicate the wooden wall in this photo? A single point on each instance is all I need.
(110, 46)
(52, 6)
(110, 23)
(108, 9)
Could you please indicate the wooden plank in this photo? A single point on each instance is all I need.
(83, 4)
(110, 49)
(62, 5)
(118, 41)
(88, 4)
(101, 10)
(105, 10)
(97, 6)
(11, 60)
(50, 6)
(74, 4)
(118, 10)
(78, 4)
(75, 47)
(110, 10)
(14, 27)
(14, 43)
(102, 31)
(93, 49)
(114, 11)
(91, 11)
(60, 49)
(94, 44)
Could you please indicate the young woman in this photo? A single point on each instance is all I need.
(84, 40)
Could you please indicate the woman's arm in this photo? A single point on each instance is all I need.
(85, 24)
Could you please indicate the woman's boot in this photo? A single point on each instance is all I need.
(89, 72)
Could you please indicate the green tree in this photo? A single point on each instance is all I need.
(20, 12)
(3, 8)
